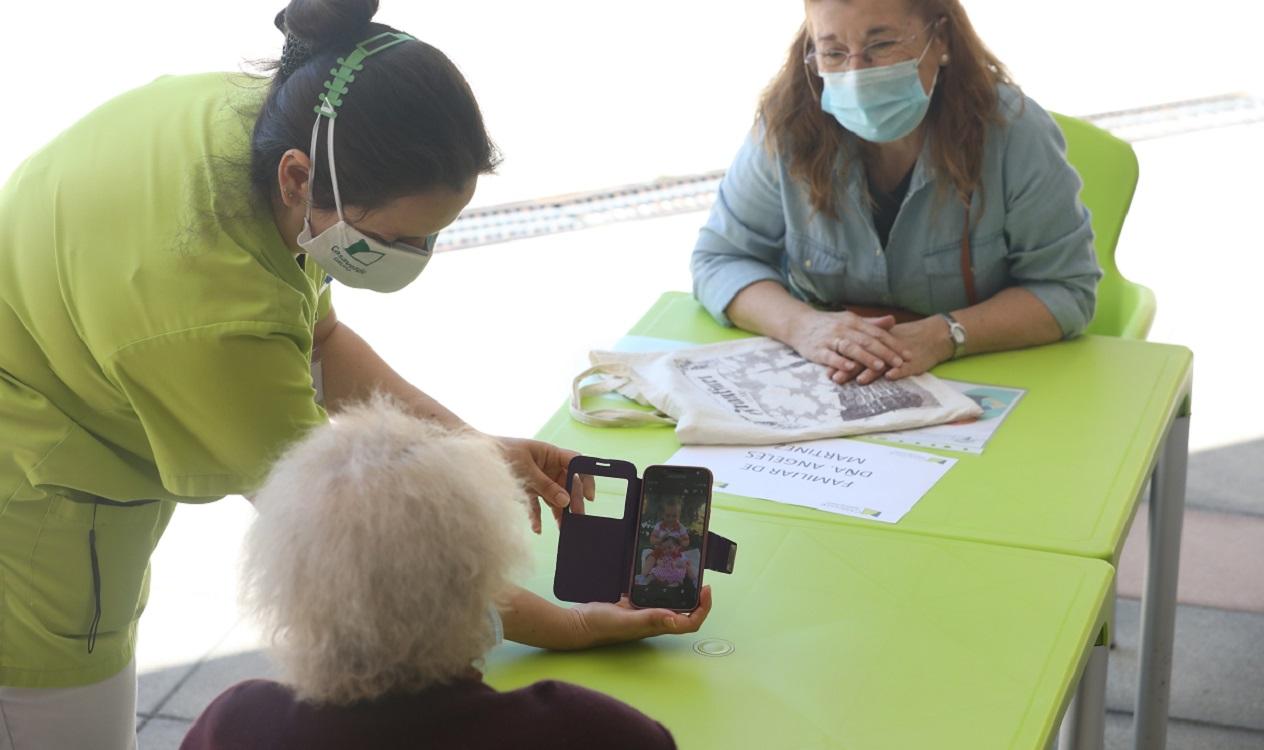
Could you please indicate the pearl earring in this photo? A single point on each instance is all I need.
(943, 59)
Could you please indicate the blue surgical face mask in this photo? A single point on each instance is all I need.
(881, 104)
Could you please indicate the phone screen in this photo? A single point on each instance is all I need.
(670, 537)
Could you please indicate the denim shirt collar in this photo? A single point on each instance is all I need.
(923, 172)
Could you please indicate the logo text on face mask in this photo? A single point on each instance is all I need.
(362, 254)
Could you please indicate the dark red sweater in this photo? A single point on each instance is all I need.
(469, 714)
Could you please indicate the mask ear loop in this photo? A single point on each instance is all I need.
(335, 88)
(333, 173)
(934, 27)
(326, 111)
(807, 69)
(311, 176)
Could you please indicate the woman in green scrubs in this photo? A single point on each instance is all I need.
(164, 293)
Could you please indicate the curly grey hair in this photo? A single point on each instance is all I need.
(381, 543)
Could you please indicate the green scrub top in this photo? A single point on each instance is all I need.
(155, 348)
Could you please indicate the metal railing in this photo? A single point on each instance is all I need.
(674, 195)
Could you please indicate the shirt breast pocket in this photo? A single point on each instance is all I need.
(816, 271)
(946, 286)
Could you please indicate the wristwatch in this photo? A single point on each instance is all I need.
(958, 334)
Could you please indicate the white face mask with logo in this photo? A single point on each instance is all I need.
(344, 252)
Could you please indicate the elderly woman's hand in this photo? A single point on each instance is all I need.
(848, 343)
(602, 623)
(534, 621)
(927, 342)
(542, 467)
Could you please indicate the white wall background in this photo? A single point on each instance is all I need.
(583, 94)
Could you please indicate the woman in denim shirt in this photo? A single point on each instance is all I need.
(892, 153)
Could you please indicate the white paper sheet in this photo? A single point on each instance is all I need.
(848, 477)
(968, 437)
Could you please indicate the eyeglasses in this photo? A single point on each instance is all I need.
(878, 52)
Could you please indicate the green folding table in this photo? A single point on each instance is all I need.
(830, 636)
(1064, 473)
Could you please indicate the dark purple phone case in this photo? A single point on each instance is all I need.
(595, 554)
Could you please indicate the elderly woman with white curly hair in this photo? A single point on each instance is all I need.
(380, 566)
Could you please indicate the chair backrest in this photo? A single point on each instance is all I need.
(1108, 168)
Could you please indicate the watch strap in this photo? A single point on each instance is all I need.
(957, 333)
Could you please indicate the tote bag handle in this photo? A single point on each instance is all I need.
(618, 376)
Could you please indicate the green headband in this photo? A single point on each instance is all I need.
(338, 86)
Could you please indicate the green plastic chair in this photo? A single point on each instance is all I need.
(1108, 168)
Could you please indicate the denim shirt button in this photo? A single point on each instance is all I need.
(807, 264)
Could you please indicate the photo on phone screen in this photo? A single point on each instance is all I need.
(670, 537)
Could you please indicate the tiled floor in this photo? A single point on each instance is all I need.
(192, 688)
(1217, 669)
(1218, 665)
(1183, 735)
(1222, 557)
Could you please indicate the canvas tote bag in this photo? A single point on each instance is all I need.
(756, 391)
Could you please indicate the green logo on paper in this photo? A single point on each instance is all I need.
(362, 254)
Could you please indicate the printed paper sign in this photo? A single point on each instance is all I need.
(848, 477)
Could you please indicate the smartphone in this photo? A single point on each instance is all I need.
(671, 537)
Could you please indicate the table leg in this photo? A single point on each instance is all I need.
(1158, 605)
(1084, 725)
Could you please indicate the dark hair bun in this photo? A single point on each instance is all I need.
(320, 23)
